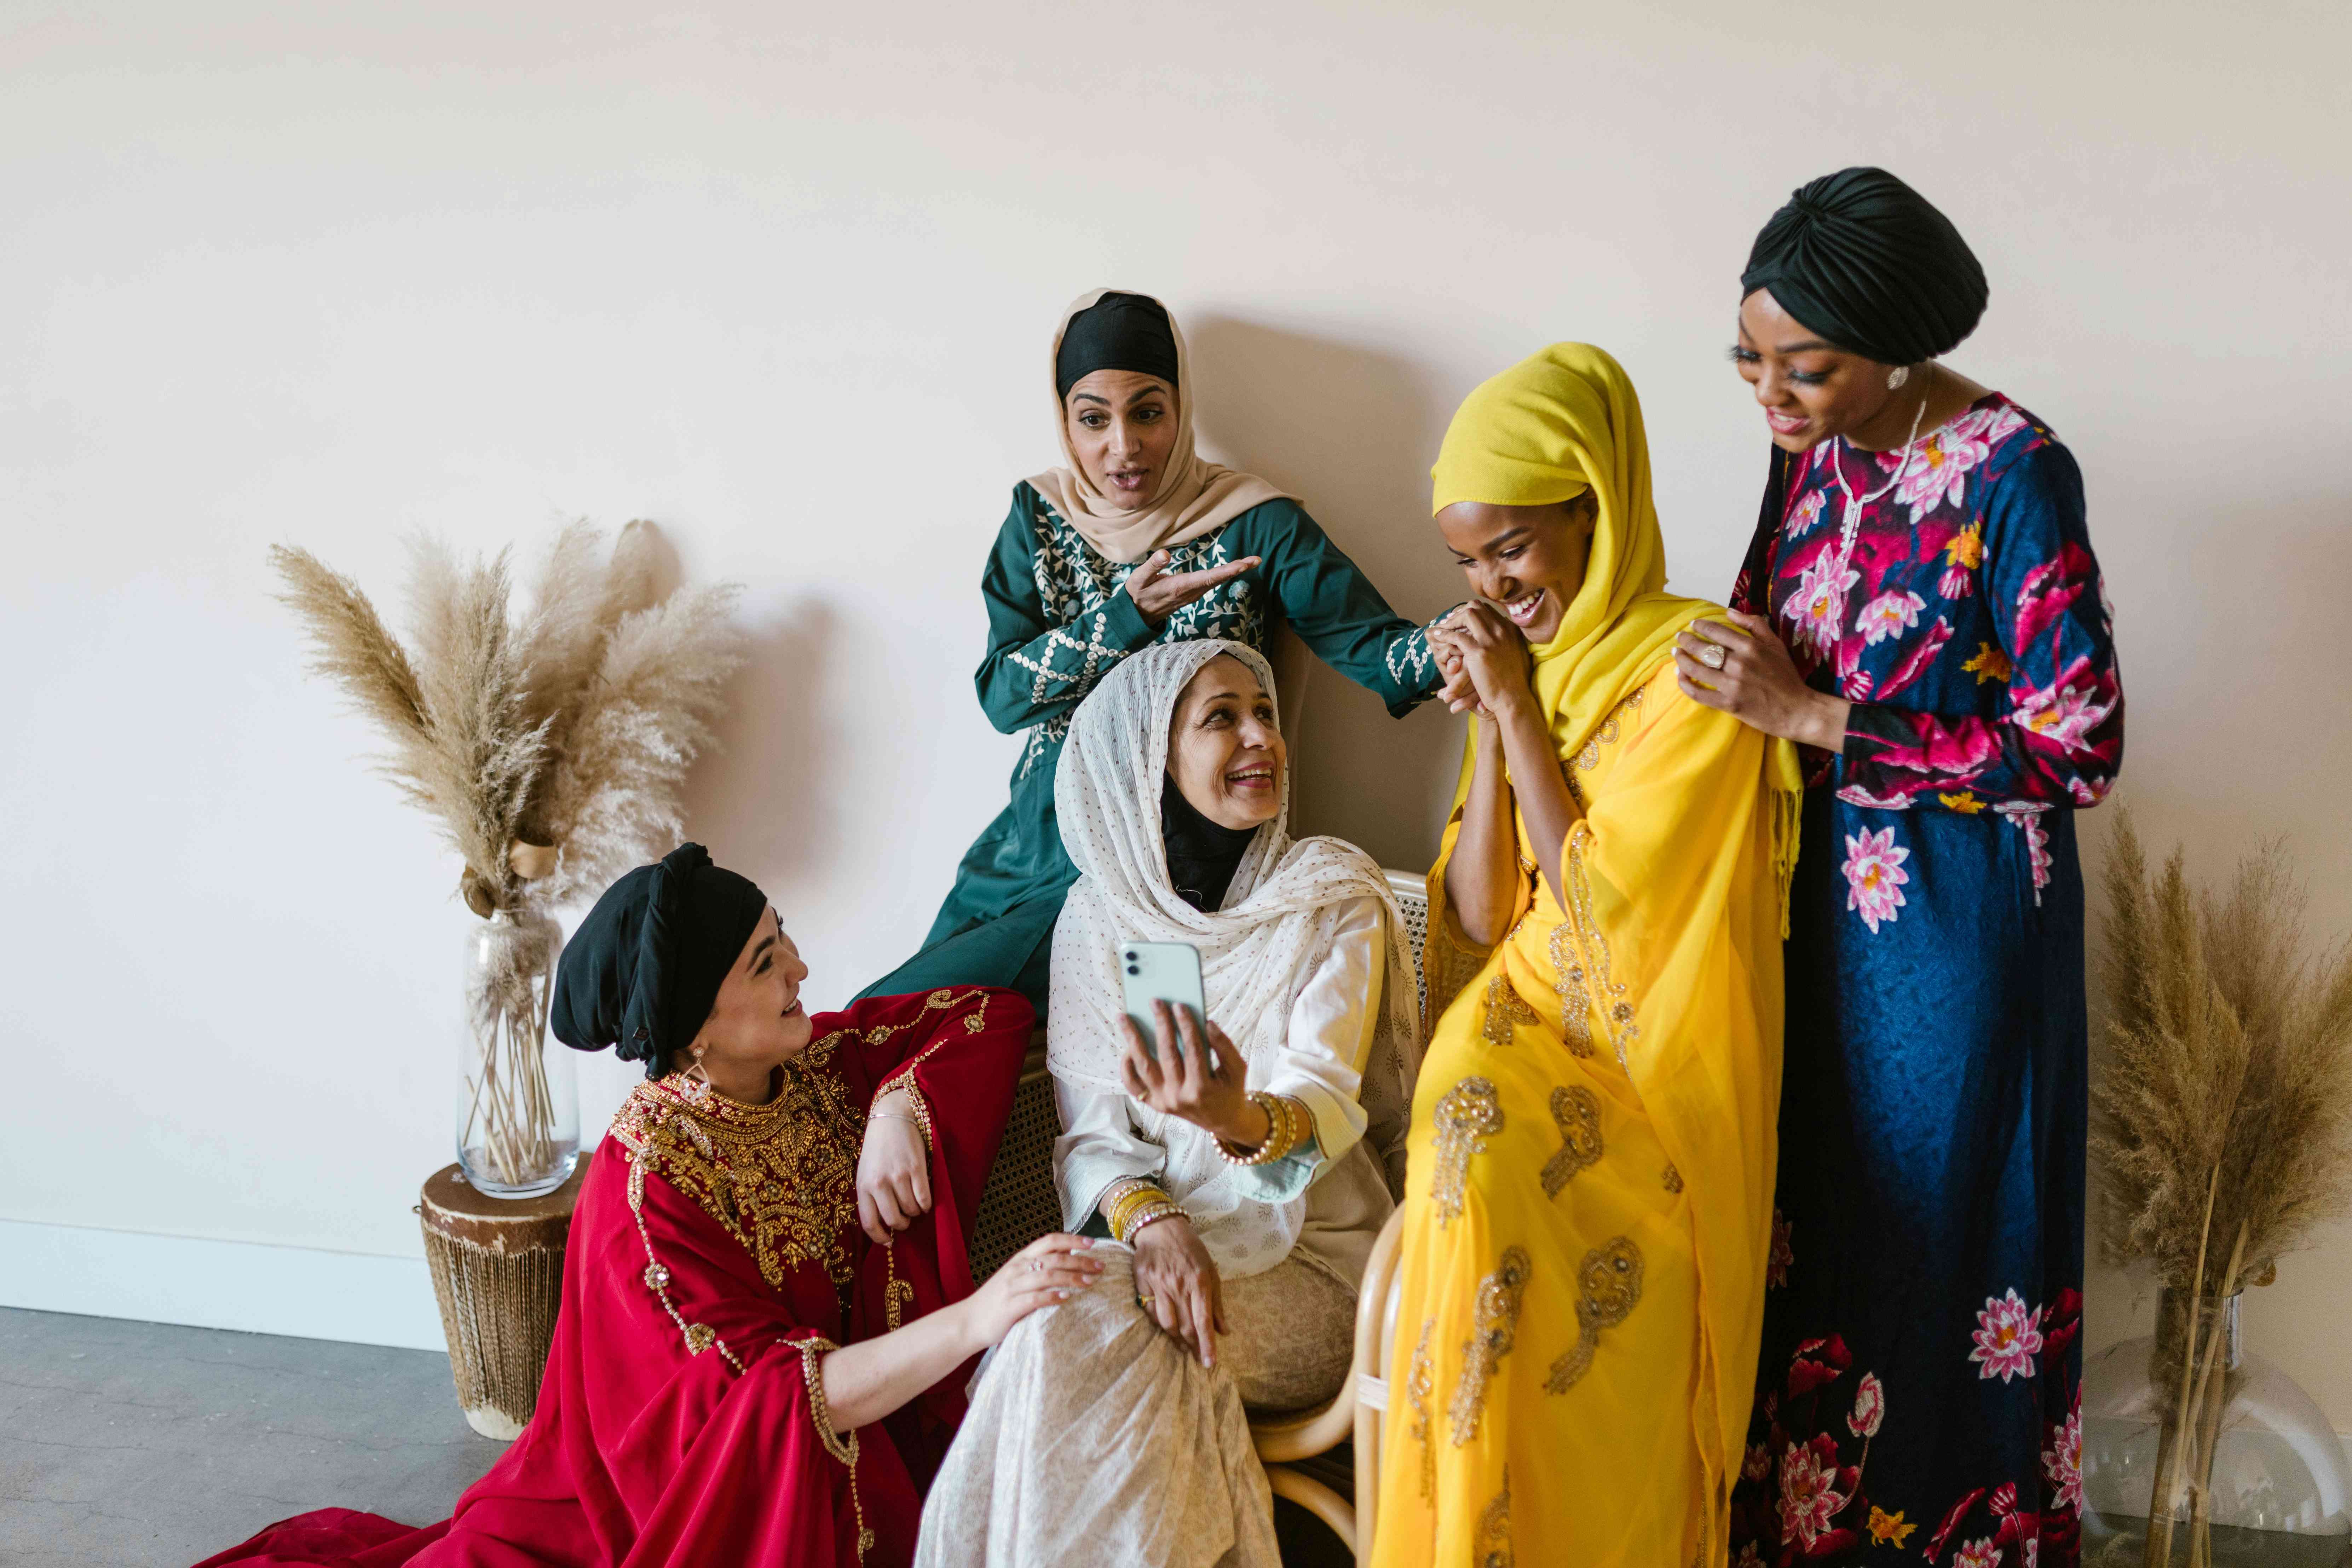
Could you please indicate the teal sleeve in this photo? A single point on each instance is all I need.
(1279, 1181)
(1337, 612)
(1036, 670)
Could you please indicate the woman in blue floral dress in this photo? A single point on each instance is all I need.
(1922, 610)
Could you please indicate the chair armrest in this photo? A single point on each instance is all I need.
(1282, 1439)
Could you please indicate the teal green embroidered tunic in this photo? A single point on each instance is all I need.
(1057, 622)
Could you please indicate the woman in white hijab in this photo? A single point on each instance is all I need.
(1242, 1165)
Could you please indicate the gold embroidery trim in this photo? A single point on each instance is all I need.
(813, 1353)
(1466, 1116)
(1608, 993)
(1589, 758)
(1608, 1288)
(1493, 1330)
(698, 1337)
(1420, 1383)
(1568, 984)
(1578, 1114)
(1491, 1546)
(1505, 1009)
(1673, 1178)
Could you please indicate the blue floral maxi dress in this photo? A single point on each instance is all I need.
(1919, 1380)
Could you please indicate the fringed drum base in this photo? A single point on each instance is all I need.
(497, 1271)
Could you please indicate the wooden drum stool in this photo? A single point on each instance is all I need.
(497, 1271)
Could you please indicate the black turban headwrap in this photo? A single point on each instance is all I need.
(643, 970)
(1869, 263)
(1117, 331)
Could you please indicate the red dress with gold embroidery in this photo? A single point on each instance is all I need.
(715, 1254)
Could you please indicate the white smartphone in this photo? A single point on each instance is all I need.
(1153, 971)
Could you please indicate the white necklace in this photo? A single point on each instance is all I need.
(1849, 526)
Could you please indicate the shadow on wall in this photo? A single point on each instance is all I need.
(758, 801)
(1350, 431)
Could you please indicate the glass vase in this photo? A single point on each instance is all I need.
(517, 1106)
(2243, 1468)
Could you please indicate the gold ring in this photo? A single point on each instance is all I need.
(1144, 1302)
(1713, 654)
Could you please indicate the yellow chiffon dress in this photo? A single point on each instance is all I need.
(1587, 1215)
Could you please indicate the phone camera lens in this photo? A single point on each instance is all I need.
(1133, 970)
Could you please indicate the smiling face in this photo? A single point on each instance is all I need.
(757, 1024)
(1810, 390)
(1529, 559)
(1122, 425)
(1224, 746)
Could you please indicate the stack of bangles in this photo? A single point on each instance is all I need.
(1288, 1125)
(1132, 1204)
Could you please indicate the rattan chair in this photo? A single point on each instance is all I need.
(1020, 1204)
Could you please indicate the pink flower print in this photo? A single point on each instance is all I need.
(1874, 875)
(1963, 553)
(2037, 844)
(2063, 1460)
(1817, 609)
(2008, 1336)
(1869, 1407)
(1809, 513)
(1888, 614)
(2032, 1550)
(1938, 469)
(2069, 710)
(1758, 1466)
(1809, 1494)
(1776, 1265)
(1978, 1554)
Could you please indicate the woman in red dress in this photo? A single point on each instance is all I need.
(768, 1315)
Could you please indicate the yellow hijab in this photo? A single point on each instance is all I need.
(1560, 423)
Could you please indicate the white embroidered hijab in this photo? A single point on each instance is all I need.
(1257, 953)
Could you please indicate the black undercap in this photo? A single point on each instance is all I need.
(1202, 854)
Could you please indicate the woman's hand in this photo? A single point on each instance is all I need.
(1198, 1079)
(1460, 693)
(1176, 1280)
(894, 1168)
(1159, 595)
(1039, 1275)
(1492, 652)
(1757, 682)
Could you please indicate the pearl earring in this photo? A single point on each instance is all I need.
(1897, 376)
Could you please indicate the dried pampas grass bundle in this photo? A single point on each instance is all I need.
(2223, 1121)
(551, 747)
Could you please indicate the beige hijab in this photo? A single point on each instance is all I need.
(1194, 495)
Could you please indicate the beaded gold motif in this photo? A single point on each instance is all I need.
(1420, 1383)
(1466, 1116)
(1608, 993)
(1505, 1009)
(1608, 1288)
(1589, 758)
(1578, 1113)
(813, 1353)
(1493, 1327)
(1567, 983)
(1673, 1178)
(1491, 1546)
(781, 1178)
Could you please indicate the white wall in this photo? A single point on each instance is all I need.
(783, 282)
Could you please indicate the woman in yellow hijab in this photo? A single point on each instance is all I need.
(1587, 1217)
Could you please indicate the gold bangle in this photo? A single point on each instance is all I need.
(916, 1103)
(1283, 1131)
(1151, 1214)
(1124, 1197)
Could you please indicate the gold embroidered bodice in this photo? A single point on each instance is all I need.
(780, 1177)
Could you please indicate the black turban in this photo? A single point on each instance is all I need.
(1869, 263)
(1117, 331)
(641, 973)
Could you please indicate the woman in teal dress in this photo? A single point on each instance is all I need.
(1137, 540)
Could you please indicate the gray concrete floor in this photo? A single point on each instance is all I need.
(136, 1444)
